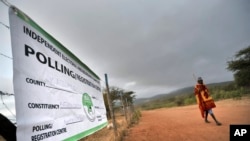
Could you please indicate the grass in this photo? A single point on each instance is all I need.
(122, 125)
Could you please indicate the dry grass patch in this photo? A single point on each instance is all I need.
(106, 134)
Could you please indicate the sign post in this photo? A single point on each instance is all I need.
(110, 106)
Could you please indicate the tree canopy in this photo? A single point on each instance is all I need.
(116, 94)
(240, 65)
(126, 97)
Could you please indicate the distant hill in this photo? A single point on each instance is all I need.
(186, 90)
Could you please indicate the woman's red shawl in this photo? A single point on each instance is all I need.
(204, 100)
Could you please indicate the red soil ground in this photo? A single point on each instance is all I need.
(186, 124)
(182, 124)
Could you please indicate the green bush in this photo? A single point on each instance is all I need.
(136, 117)
(189, 101)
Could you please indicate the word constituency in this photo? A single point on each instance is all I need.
(43, 106)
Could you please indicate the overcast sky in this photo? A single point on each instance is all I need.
(147, 46)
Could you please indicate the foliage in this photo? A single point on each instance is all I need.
(118, 94)
(241, 67)
(136, 117)
(128, 97)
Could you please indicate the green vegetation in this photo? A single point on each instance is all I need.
(135, 117)
(118, 95)
(217, 91)
(240, 65)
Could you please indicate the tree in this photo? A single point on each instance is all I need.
(241, 67)
(115, 94)
(129, 97)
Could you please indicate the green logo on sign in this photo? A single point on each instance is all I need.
(88, 106)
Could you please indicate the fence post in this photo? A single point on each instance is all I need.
(124, 108)
(110, 106)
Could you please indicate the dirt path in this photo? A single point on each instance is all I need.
(186, 123)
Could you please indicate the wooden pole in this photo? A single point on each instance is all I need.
(110, 106)
(128, 110)
(123, 107)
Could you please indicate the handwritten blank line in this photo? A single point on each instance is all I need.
(73, 122)
(61, 89)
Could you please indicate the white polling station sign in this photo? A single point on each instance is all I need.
(57, 96)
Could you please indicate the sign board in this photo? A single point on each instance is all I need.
(57, 96)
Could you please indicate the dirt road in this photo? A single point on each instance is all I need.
(186, 123)
(182, 124)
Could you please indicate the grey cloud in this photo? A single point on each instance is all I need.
(156, 44)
